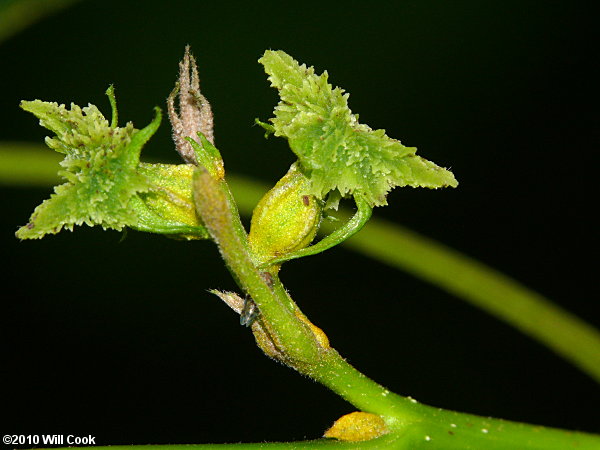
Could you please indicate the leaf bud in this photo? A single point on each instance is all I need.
(286, 219)
(168, 207)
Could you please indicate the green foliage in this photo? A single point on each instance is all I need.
(99, 166)
(340, 155)
(108, 186)
(106, 183)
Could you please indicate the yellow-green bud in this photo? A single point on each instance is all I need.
(286, 219)
(168, 208)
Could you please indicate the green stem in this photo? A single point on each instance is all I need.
(16, 16)
(486, 288)
(440, 429)
(421, 426)
(218, 212)
(334, 372)
(414, 425)
(383, 443)
(23, 164)
(468, 279)
(431, 439)
(294, 338)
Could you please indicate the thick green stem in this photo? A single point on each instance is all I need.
(367, 395)
(468, 279)
(217, 210)
(422, 426)
(448, 430)
(383, 443)
(412, 424)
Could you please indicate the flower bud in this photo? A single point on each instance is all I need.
(168, 207)
(286, 219)
(195, 113)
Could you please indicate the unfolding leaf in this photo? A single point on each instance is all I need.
(340, 155)
(99, 166)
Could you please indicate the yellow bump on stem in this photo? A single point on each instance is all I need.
(357, 426)
(319, 334)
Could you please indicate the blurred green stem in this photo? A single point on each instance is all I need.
(570, 337)
(16, 15)
(27, 165)
(414, 425)
(468, 279)
(411, 425)
(438, 432)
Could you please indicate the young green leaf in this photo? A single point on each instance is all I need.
(340, 155)
(99, 166)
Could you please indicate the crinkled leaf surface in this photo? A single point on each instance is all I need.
(99, 166)
(336, 151)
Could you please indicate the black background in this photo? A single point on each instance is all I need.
(121, 340)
